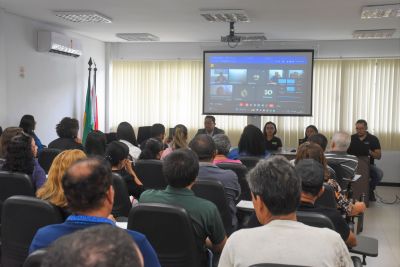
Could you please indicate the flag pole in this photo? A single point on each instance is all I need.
(96, 119)
(87, 115)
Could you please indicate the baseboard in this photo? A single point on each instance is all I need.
(389, 184)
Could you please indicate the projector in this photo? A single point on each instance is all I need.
(231, 39)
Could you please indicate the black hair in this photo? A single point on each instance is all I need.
(362, 122)
(28, 123)
(86, 190)
(151, 149)
(96, 143)
(67, 128)
(319, 139)
(203, 145)
(19, 157)
(252, 141)
(125, 132)
(116, 152)
(181, 167)
(265, 128)
(210, 117)
(156, 130)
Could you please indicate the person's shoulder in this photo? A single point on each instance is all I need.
(372, 137)
(218, 131)
(149, 194)
(137, 236)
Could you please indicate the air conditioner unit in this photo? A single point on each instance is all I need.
(58, 43)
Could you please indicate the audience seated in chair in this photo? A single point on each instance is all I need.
(126, 135)
(5, 139)
(67, 130)
(28, 124)
(276, 190)
(88, 189)
(179, 140)
(52, 190)
(102, 245)
(223, 145)
(180, 169)
(251, 143)
(152, 149)
(96, 143)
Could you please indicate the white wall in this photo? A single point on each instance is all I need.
(52, 86)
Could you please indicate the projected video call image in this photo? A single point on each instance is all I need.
(256, 76)
(219, 75)
(275, 75)
(238, 76)
(296, 74)
(221, 90)
(244, 92)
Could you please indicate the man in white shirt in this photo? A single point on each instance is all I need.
(276, 193)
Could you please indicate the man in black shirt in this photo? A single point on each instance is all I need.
(365, 144)
(311, 173)
(209, 127)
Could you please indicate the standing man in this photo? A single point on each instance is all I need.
(209, 127)
(365, 144)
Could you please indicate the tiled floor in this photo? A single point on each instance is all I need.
(382, 221)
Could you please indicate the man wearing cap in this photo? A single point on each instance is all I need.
(311, 174)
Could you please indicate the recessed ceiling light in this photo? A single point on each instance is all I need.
(382, 11)
(138, 37)
(373, 34)
(224, 15)
(83, 16)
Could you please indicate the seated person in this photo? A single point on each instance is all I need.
(180, 169)
(223, 145)
(96, 143)
(311, 174)
(209, 127)
(88, 189)
(276, 189)
(67, 130)
(28, 124)
(272, 143)
(204, 146)
(251, 143)
(102, 245)
(152, 149)
(126, 135)
(179, 140)
(310, 130)
(5, 139)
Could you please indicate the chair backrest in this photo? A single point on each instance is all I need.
(111, 137)
(144, 133)
(214, 192)
(273, 265)
(241, 171)
(340, 173)
(250, 162)
(314, 219)
(35, 258)
(46, 157)
(13, 183)
(122, 203)
(150, 173)
(170, 231)
(22, 217)
(327, 199)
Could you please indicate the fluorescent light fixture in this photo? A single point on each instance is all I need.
(382, 11)
(83, 16)
(224, 15)
(373, 34)
(138, 37)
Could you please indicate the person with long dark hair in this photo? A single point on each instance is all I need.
(20, 157)
(126, 135)
(251, 143)
(67, 130)
(96, 143)
(28, 124)
(310, 130)
(5, 139)
(272, 143)
(152, 149)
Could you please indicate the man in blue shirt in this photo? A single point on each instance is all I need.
(88, 188)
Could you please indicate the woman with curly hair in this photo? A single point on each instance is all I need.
(309, 150)
(67, 130)
(179, 140)
(251, 143)
(5, 139)
(52, 190)
(20, 157)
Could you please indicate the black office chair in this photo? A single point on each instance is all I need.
(46, 157)
(144, 133)
(22, 216)
(327, 199)
(35, 258)
(149, 171)
(249, 162)
(111, 137)
(273, 265)
(122, 204)
(314, 219)
(241, 171)
(214, 192)
(169, 229)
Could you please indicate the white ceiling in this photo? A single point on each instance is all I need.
(180, 20)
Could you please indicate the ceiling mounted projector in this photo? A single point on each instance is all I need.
(234, 39)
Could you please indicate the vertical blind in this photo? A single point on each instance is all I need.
(170, 92)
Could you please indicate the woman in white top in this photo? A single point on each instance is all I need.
(126, 135)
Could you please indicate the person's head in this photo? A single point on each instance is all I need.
(152, 149)
(319, 139)
(96, 246)
(68, 128)
(20, 154)
(252, 141)
(209, 122)
(52, 190)
(157, 131)
(6, 137)
(275, 186)
(96, 143)
(361, 127)
(204, 146)
(269, 129)
(125, 132)
(87, 186)
(222, 144)
(309, 150)
(311, 174)
(181, 167)
(116, 152)
(340, 141)
(28, 124)
(180, 136)
(310, 130)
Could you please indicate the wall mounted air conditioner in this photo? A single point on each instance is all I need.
(58, 43)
